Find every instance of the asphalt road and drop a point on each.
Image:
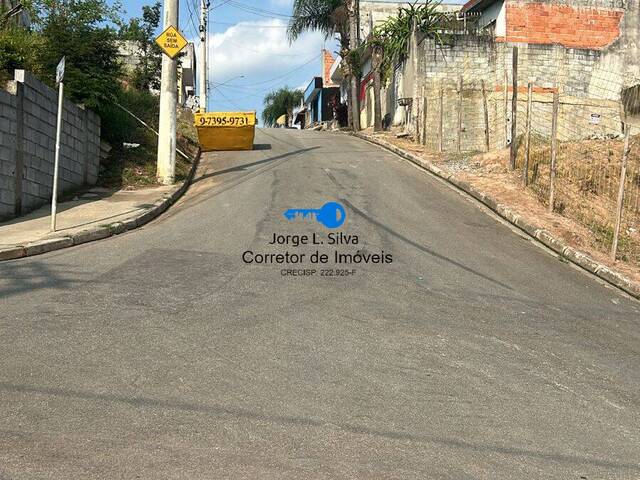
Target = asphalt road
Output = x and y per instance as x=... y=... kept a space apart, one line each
x=160 y=354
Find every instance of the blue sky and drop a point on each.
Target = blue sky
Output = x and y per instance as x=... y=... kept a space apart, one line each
x=252 y=45
x=248 y=39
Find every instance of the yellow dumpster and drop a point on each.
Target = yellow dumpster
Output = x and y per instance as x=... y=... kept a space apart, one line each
x=226 y=130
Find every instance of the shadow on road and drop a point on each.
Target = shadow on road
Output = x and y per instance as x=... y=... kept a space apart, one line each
x=422 y=248
x=146 y=402
x=246 y=166
x=21 y=277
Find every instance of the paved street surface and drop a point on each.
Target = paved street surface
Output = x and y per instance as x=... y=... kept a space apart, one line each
x=160 y=354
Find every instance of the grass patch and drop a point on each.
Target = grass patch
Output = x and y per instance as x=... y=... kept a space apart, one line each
x=135 y=167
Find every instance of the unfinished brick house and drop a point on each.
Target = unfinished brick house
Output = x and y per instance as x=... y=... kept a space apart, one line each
x=586 y=49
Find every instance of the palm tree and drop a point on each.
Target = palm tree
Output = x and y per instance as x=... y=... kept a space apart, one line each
x=326 y=16
x=280 y=102
x=390 y=42
x=330 y=17
x=376 y=66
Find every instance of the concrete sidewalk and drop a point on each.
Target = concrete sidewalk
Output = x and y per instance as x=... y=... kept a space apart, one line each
x=95 y=208
x=94 y=215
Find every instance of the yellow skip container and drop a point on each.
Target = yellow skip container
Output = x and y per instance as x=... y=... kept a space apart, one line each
x=226 y=130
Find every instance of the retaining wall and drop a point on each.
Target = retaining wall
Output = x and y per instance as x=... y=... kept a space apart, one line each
x=27 y=145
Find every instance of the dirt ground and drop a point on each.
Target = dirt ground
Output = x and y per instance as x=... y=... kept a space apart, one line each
x=490 y=174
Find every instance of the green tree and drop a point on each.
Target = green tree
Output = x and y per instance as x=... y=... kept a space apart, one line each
x=330 y=17
x=280 y=102
x=390 y=41
x=82 y=31
x=327 y=16
x=142 y=31
x=18 y=49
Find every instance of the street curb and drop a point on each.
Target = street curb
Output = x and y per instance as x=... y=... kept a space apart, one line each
x=576 y=257
x=104 y=231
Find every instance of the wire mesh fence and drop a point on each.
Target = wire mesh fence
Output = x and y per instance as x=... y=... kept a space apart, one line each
x=570 y=119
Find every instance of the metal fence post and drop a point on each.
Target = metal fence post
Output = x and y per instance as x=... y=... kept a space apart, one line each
x=486 y=117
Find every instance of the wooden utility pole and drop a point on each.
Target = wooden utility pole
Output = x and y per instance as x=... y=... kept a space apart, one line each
x=527 y=145
x=418 y=116
x=514 y=112
x=486 y=116
x=620 y=204
x=506 y=108
x=168 y=104
x=424 y=116
x=441 y=122
x=554 y=149
x=460 y=84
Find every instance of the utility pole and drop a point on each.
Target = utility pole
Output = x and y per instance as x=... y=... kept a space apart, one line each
x=202 y=72
x=168 y=104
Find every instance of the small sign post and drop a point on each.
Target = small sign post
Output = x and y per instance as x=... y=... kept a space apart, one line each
x=54 y=196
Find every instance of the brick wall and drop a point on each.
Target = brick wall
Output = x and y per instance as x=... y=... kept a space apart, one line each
x=568 y=25
x=327 y=63
x=27 y=145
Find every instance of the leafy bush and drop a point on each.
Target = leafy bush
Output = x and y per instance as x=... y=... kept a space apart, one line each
x=119 y=126
x=18 y=50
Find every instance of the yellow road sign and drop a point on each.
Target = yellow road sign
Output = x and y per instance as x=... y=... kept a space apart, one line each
x=171 y=41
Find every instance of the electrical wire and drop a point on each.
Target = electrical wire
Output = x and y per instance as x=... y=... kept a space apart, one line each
x=213 y=7
x=274 y=79
x=257 y=11
x=191 y=21
x=235 y=105
x=252 y=25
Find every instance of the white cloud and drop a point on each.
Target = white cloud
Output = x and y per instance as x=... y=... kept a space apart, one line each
x=260 y=51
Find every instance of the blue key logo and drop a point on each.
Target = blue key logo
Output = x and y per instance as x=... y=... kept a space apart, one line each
x=331 y=215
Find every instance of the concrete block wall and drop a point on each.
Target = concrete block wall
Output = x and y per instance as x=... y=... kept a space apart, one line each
x=29 y=145
x=8 y=130
x=590 y=84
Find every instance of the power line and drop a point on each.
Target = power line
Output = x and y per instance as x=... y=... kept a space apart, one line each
x=193 y=25
x=247 y=25
x=235 y=105
x=295 y=69
x=218 y=6
x=257 y=11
